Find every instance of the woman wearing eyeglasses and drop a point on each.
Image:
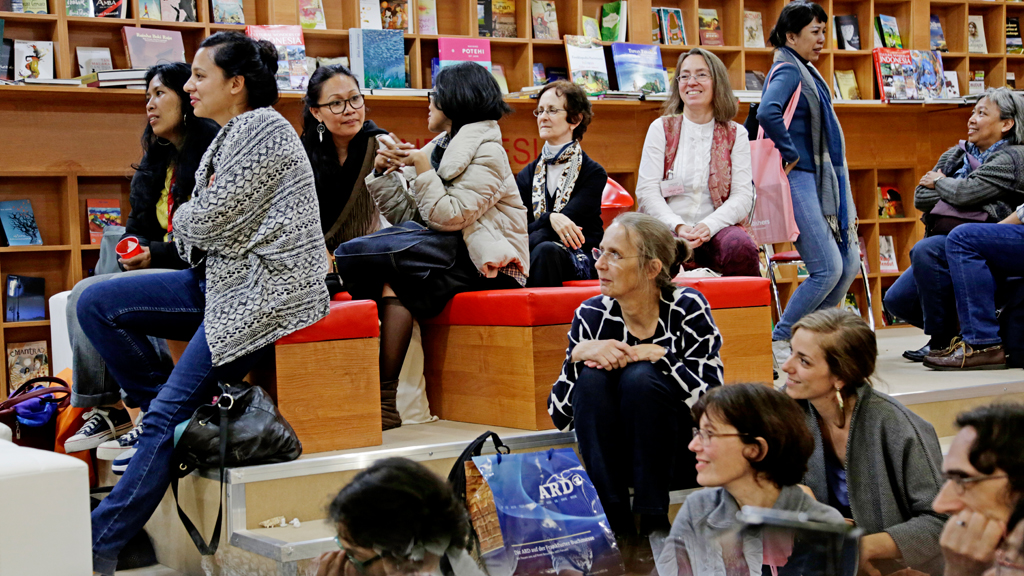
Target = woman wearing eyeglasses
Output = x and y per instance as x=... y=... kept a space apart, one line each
x=874 y=460
x=639 y=354
x=695 y=169
x=562 y=190
x=752 y=447
x=340 y=143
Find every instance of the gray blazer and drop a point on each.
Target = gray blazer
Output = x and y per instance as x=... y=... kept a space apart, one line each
x=694 y=545
x=893 y=464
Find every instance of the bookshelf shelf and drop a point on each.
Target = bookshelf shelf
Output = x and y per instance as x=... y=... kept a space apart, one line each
x=89 y=247
x=19 y=17
x=44 y=248
x=32 y=324
x=117 y=23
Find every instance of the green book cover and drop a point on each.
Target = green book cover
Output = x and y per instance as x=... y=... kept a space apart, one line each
x=613 y=21
x=35 y=6
x=79 y=7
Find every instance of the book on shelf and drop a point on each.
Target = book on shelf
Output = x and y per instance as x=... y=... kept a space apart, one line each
x=1011 y=80
x=753 y=80
x=801 y=270
x=503 y=19
x=484 y=19
x=421 y=92
x=7 y=59
x=656 y=37
x=76 y=7
x=938 y=38
x=311 y=15
x=1013 y=41
x=33 y=59
x=228 y=12
x=540 y=76
x=394 y=15
x=889 y=31
x=53 y=82
x=753 y=30
x=613 y=21
x=890 y=202
x=952 y=84
x=710 y=30
x=25 y=300
x=847 y=32
x=291 y=53
x=19 y=223
x=976 y=87
x=147 y=47
x=850 y=303
x=426 y=16
x=672 y=29
x=587 y=66
x=101 y=212
x=591 y=28
x=887 y=255
x=498 y=71
x=177 y=10
x=34 y=6
x=545 y=19
x=377 y=57
x=104 y=78
x=847 y=82
x=149 y=9
x=25 y=361
x=369 y=15
x=557 y=73
x=638 y=68
x=92 y=59
x=908 y=74
x=864 y=250
x=976 y=34
x=454 y=50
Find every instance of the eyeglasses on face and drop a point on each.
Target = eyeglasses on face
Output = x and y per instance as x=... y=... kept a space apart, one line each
x=361 y=565
x=699 y=76
x=432 y=96
x=611 y=254
x=550 y=111
x=705 y=436
x=961 y=483
x=339 y=106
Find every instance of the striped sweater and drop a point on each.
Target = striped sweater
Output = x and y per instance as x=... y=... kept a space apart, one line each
x=255 y=215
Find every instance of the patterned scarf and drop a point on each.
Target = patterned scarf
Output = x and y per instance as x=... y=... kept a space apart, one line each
x=572 y=154
x=980 y=157
x=440 y=145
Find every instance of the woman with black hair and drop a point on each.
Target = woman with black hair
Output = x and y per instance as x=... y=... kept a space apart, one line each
x=465 y=222
x=251 y=234
x=172 y=144
x=341 y=147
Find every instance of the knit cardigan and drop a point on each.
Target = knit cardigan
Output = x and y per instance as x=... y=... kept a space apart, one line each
x=254 y=214
x=685 y=329
x=996 y=187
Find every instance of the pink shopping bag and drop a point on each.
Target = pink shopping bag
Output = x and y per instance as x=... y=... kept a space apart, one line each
x=773 y=220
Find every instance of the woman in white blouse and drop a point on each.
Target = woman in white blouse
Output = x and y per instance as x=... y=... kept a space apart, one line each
x=695 y=170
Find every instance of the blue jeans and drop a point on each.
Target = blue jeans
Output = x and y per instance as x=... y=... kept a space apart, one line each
x=118 y=317
x=978 y=253
x=935 y=288
x=830 y=272
x=903 y=300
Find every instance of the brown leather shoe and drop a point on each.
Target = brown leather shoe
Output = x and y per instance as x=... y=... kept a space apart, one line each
x=389 y=416
x=964 y=357
x=946 y=350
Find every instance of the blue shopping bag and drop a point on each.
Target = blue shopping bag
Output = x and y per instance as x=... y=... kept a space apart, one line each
x=548 y=513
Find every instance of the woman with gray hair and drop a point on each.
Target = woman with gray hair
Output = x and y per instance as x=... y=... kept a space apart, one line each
x=639 y=355
x=979 y=180
x=695 y=173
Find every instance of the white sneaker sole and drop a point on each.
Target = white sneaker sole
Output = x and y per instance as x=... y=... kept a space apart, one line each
x=106 y=453
x=89 y=442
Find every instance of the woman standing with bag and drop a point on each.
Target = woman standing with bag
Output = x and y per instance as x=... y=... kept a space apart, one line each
x=814 y=156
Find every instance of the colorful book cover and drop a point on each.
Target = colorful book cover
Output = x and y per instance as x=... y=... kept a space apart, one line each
x=454 y=50
x=503 y=19
x=377 y=57
x=656 y=37
x=25 y=361
x=890 y=31
x=33 y=59
x=369 y=15
x=19 y=223
x=672 y=26
x=311 y=15
x=102 y=212
x=710 y=30
x=591 y=29
x=887 y=255
x=484 y=22
x=1013 y=41
x=34 y=6
x=850 y=303
x=890 y=202
x=928 y=73
x=753 y=30
x=638 y=68
x=109 y=8
x=394 y=15
x=938 y=39
x=540 y=76
x=177 y=10
x=545 y=19
x=150 y=9
x=498 y=71
x=952 y=84
x=976 y=34
x=847 y=32
x=291 y=53
x=228 y=12
x=148 y=46
x=426 y=11
x=93 y=60
x=78 y=7
x=908 y=74
x=587 y=66
x=846 y=80
x=613 y=21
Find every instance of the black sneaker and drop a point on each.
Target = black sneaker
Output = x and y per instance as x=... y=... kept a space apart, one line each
x=101 y=424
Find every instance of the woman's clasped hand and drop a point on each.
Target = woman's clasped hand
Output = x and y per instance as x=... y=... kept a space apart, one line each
x=612 y=354
x=394 y=154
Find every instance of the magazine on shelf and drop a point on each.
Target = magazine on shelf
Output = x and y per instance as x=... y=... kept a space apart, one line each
x=976 y=35
x=146 y=47
x=426 y=21
x=887 y=255
x=291 y=53
x=545 y=20
x=587 y=66
x=709 y=27
x=638 y=68
x=228 y=12
x=938 y=39
x=908 y=74
x=847 y=32
x=503 y=19
x=33 y=59
x=889 y=30
x=753 y=30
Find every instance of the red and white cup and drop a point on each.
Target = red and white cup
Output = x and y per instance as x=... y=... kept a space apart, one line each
x=128 y=248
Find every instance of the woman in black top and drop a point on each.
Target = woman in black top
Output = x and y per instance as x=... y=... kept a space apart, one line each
x=562 y=190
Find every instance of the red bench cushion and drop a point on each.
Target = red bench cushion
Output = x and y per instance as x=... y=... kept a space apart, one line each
x=521 y=307
x=725 y=292
x=347 y=320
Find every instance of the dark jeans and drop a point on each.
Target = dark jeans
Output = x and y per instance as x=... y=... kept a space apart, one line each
x=978 y=254
x=731 y=252
x=551 y=264
x=118 y=317
x=903 y=300
x=628 y=424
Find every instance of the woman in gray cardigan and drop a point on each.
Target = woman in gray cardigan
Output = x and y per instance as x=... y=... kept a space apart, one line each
x=752 y=447
x=874 y=460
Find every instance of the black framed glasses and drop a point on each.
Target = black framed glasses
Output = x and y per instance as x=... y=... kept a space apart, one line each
x=961 y=483
x=432 y=96
x=705 y=436
x=361 y=565
x=339 y=106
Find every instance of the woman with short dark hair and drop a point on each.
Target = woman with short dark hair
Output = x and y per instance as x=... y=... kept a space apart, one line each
x=752 y=447
x=874 y=460
x=460 y=183
x=563 y=189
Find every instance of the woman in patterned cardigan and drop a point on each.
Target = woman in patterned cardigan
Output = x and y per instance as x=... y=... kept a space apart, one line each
x=251 y=233
x=639 y=356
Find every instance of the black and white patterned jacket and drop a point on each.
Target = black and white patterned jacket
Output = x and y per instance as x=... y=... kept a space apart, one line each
x=254 y=213
x=685 y=329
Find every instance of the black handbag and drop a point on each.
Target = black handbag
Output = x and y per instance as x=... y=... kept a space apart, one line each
x=241 y=428
x=457 y=475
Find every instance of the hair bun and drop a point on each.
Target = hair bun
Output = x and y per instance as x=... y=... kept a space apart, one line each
x=683 y=254
x=268 y=55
